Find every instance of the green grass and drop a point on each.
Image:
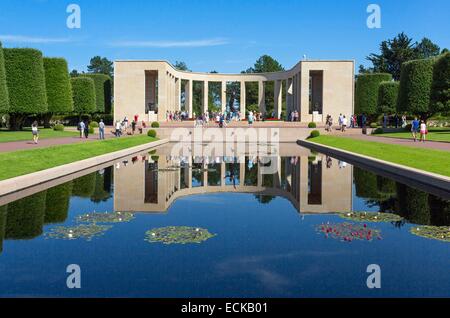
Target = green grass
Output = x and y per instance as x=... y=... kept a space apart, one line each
x=434 y=134
x=430 y=160
x=7 y=135
x=17 y=163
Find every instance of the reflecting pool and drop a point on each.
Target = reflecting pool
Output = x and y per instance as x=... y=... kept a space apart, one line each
x=162 y=225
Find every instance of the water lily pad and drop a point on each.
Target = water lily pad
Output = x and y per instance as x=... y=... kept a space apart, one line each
x=348 y=232
x=82 y=231
x=178 y=235
x=108 y=217
x=441 y=233
x=370 y=216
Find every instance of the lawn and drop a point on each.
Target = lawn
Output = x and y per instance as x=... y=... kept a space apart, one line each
x=7 y=135
x=17 y=163
x=434 y=134
x=431 y=160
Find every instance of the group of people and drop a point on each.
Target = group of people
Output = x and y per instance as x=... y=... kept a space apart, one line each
x=122 y=127
x=394 y=120
x=294 y=116
x=345 y=122
x=419 y=127
x=176 y=115
x=83 y=128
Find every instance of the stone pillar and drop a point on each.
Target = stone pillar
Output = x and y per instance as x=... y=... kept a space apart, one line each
x=278 y=98
x=205 y=96
x=188 y=97
x=288 y=96
x=178 y=94
x=224 y=96
x=294 y=92
x=261 y=97
x=242 y=102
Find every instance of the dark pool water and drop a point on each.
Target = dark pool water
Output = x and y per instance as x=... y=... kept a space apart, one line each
x=267 y=232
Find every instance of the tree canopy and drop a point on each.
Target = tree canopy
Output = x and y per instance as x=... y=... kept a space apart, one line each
x=101 y=65
x=181 y=66
x=440 y=87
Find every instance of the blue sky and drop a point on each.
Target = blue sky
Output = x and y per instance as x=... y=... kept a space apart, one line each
x=223 y=35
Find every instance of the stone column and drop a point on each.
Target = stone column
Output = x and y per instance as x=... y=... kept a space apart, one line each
x=278 y=98
x=178 y=94
x=205 y=96
x=188 y=97
x=224 y=96
x=242 y=102
x=242 y=172
x=288 y=96
x=222 y=173
x=261 y=99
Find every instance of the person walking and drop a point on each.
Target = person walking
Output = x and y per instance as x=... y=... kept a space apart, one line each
x=423 y=131
x=81 y=127
x=35 y=131
x=415 y=128
x=344 y=123
x=86 y=129
x=101 y=129
x=118 y=127
x=133 y=127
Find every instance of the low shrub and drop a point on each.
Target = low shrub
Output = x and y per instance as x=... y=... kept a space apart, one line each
x=155 y=124
x=151 y=133
x=373 y=125
x=58 y=127
x=312 y=125
x=93 y=124
x=314 y=134
x=91 y=130
x=377 y=131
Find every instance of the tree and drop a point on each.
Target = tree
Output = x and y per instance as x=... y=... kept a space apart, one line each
x=366 y=94
x=58 y=88
x=394 y=52
x=387 y=97
x=83 y=89
x=103 y=92
x=74 y=73
x=181 y=66
x=25 y=77
x=415 y=87
x=101 y=65
x=4 y=97
x=440 y=87
x=57 y=203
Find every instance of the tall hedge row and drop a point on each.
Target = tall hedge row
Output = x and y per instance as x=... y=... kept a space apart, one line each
x=415 y=86
x=4 y=97
x=57 y=83
x=387 y=97
x=440 y=88
x=102 y=92
x=26 y=81
x=83 y=90
x=366 y=94
x=57 y=203
x=2 y=225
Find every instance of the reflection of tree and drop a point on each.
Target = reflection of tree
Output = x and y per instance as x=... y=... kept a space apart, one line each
x=2 y=225
x=57 y=203
x=100 y=193
x=197 y=172
x=413 y=204
x=251 y=175
x=84 y=187
x=264 y=199
x=440 y=211
x=26 y=217
x=385 y=186
x=365 y=183
x=214 y=174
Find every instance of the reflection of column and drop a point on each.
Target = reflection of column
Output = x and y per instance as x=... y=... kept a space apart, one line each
x=205 y=96
x=278 y=98
x=242 y=172
x=243 y=106
x=277 y=174
x=205 y=174
x=189 y=179
x=259 y=180
x=224 y=96
x=178 y=94
x=261 y=97
x=189 y=96
x=222 y=173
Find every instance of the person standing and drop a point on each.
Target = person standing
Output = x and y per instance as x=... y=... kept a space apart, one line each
x=35 y=131
x=133 y=127
x=415 y=128
x=81 y=127
x=101 y=129
x=118 y=127
x=86 y=129
x=344 y=123
x=385 y=119
x=423 y=131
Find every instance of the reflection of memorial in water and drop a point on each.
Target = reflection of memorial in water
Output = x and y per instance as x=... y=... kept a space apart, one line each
x=313 y=183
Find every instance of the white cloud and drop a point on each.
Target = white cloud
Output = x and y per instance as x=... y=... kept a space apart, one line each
x=31 y=39
x=172 y=44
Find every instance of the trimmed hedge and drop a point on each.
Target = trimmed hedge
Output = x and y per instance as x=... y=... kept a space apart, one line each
x=83 y=95
x=103 y=92
x=377 y=131
x=373 y=125
x=3 y=213
x=366 y=94
x=387 y=97
x=93 y=124
x=58 y=127
x=151 y=133
x=440 y=87
x=155 y=124
x=57 y=83
x=57 y=203
x=415 y=86
x=312 y=125
x=25 y=77
x=314 y=134
x=4 y=97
